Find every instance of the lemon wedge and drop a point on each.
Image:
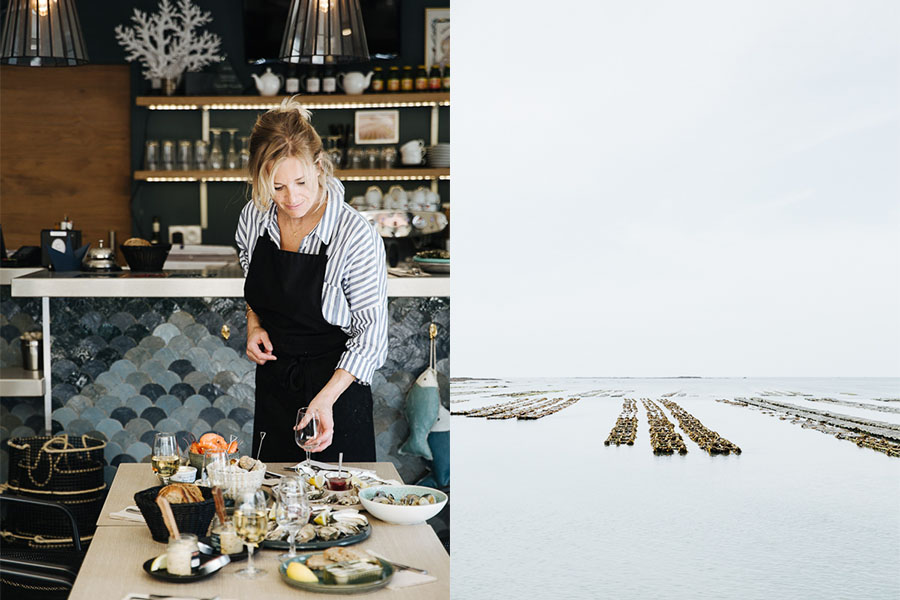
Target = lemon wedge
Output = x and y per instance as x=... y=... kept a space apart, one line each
x=317 y=481
x=159 y=563
x=323 y=517
x=300 y=572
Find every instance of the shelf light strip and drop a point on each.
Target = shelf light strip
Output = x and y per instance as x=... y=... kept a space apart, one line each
x=263 y=106
x=348 y=178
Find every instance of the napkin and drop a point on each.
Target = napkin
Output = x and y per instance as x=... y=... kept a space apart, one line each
x=127 y=515
x=402 y=579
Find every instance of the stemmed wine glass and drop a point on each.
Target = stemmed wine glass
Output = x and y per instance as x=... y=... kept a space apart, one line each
x=165 y=459
x=251 y=523
x=307 y=432
x=291 y=511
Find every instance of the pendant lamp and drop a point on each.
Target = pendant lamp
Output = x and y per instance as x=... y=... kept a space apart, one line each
x=42 y=33
x=324 y=32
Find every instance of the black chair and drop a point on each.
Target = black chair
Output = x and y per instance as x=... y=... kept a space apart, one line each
x=27 y=572
x=17 y=582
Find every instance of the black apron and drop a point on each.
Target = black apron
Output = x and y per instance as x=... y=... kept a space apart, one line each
x=284 y=289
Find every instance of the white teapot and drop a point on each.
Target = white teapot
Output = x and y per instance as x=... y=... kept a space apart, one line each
x=354 y=82
x=413 y=152
x=269 y=83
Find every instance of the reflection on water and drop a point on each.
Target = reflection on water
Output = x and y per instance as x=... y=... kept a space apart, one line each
x=544 y=509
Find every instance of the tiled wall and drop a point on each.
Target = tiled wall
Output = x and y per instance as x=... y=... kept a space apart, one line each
x=124 y=369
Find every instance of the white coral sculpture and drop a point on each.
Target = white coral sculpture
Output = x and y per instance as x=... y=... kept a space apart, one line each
x=165 y=42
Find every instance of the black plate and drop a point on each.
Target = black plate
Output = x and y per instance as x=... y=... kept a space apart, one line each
x=238 y=557
x=196 y=575
x=320 y=545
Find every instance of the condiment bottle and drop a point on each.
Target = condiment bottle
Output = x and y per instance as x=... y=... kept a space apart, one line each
x=329 y=82
x=446 y=78
x=378 y=80
x=406 y=81
x=434 y=78
x=421 y=79
x=393 y=81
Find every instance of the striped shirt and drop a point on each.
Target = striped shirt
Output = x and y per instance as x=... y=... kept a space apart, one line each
x=354 y=295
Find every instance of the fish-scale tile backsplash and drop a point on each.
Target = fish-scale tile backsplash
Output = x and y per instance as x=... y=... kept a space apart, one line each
x=125 y=369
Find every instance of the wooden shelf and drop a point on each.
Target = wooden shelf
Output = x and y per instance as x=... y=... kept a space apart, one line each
x=424 y=173
x=16 y=381
x=410 y=99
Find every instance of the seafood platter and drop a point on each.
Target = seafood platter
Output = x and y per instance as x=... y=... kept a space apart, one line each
x=402 y=504
x=326 y=528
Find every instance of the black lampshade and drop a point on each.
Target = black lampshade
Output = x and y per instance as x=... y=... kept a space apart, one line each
x=42 y=33
x=324 y=32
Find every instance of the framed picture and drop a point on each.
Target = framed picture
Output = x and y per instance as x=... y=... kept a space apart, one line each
x=377 y=126
x=437 y=37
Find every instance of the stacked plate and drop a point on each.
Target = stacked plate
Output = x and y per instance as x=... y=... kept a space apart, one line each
x=438 y=155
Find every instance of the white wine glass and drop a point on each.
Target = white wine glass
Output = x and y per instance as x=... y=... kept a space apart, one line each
x=307 y=432
x=251 y=522
x=165 y=459
x=291 y=511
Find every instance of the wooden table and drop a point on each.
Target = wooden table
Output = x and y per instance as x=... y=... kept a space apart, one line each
x=112 y=566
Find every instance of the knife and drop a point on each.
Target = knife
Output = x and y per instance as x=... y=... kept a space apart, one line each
x=214 y=565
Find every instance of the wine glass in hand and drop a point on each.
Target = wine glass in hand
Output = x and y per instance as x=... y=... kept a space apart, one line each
x=304 y=434
x=251 y=520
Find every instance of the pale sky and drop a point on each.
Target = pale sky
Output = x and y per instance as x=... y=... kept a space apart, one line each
x=691 y=188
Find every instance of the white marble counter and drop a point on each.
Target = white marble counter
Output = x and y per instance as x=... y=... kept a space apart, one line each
x=208 y=283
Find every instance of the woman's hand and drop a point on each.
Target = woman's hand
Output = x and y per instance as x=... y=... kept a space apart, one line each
x=321 y=406
x=256 y=337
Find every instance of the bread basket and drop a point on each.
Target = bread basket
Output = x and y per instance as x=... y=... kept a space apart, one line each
x=192 y=517
x=235 y=481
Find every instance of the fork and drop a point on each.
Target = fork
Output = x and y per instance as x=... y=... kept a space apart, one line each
x=398 y=565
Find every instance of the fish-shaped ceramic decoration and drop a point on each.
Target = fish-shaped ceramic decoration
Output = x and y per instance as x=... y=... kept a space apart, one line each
x=422 y=404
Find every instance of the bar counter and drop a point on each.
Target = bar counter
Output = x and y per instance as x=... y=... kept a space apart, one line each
x=223 y=282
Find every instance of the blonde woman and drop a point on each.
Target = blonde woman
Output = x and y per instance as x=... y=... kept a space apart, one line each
x=316 y=292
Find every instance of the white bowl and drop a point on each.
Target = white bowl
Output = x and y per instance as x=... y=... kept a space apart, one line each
x=402 y=515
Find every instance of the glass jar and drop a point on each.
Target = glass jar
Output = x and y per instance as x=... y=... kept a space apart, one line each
x=393 y=80
x=378 y=81
x=421 y=79
x=184 y=154
x=406 y=80
x=179 y=553
x=151 y=155
x=224 y=537
x=168 y=155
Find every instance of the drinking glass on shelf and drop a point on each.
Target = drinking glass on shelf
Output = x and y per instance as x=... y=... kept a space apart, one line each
x=165 y=459
x=184 y=155
x=355 y=158
x=245 y=151
x=388 y=157
x=291 y=510
x=168 y=155
x=216 y=158
x=232 y=160
x=373 y=158
x=201 y=154
x=308 y=432
x=251 y=523
x=151 y=155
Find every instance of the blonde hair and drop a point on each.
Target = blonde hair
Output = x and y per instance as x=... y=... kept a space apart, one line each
x=281 y=133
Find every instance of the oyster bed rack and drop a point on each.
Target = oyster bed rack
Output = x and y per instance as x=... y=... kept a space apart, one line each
x=526 y=409
x=663 y=437
x=707 y=439
x=625 y=429
x=862 y=432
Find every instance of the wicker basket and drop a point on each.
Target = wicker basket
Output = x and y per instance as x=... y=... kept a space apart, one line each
x=62 y=469
x=192 y=517
x=235 y=483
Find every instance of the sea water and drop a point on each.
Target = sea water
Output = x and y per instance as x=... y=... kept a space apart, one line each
x=542 y=509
